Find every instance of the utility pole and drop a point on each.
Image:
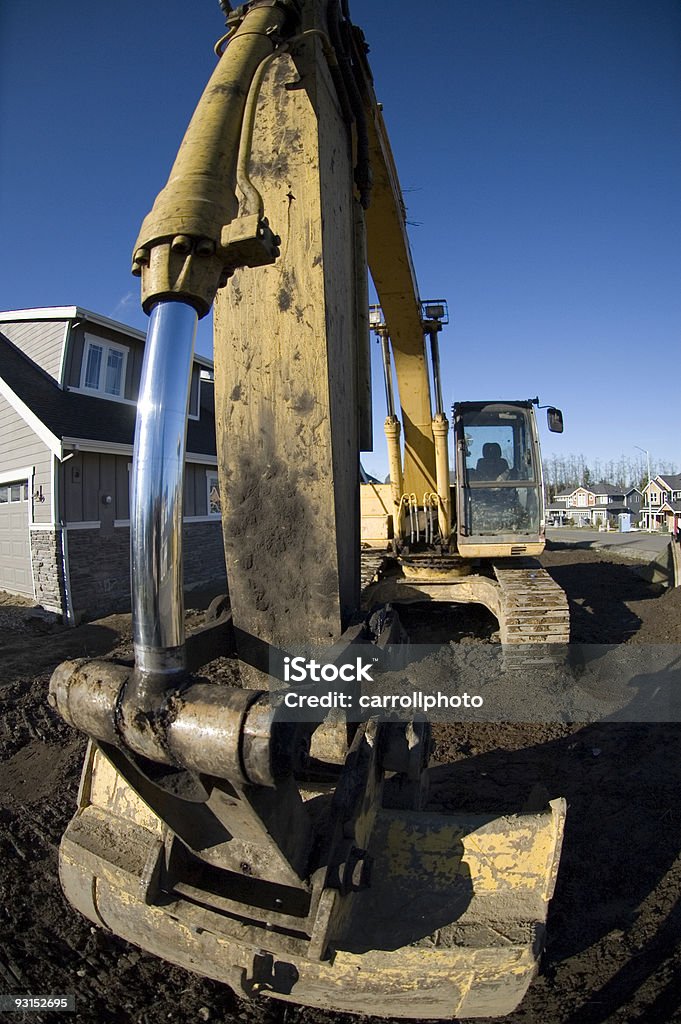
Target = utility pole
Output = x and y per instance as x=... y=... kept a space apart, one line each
x=647 y=455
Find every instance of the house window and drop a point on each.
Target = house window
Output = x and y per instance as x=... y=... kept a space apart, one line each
x=213 y=488
x=104 y=367
x=13 y=493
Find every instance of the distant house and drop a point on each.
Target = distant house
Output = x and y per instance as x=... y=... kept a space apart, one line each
x=594 y=505
x=633 y=499
x=69 y=381
x=661 y=509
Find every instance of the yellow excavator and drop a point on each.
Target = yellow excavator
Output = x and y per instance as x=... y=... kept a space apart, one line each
x=288 y=858
x=471 y=542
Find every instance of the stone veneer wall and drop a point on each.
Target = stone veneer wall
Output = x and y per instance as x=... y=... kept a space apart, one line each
x=204 y=555
x=99 y=565
x=48 y=578
x=99 y=569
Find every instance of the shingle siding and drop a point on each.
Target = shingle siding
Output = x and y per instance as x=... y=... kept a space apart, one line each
x=42 y=341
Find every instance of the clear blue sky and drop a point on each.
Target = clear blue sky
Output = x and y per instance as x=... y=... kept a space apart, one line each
x=539 y=147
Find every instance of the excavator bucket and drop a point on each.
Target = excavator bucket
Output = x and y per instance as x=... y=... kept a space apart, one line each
x=449 y=924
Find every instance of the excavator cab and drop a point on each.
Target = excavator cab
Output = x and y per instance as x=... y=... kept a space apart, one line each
x=498 y=479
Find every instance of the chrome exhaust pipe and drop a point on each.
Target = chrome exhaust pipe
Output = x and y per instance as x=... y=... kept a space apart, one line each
x=156 y=497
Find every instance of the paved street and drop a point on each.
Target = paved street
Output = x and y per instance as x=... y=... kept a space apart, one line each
x=641 y=546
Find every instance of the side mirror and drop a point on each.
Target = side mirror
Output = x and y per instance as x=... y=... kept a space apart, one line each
x=555 y=420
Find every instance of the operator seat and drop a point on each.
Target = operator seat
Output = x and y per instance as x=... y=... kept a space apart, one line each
x=491 y=466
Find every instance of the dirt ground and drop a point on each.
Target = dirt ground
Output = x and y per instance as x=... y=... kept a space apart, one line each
x=614 y=946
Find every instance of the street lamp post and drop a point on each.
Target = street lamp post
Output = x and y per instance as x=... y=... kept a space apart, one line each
x=647 y=455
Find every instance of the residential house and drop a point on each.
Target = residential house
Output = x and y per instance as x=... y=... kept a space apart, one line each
x=633 y=499
x=593 y=505
x=69 y=381
x=661 y=509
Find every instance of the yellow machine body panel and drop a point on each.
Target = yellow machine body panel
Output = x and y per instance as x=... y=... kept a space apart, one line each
x=473 y=550
x=376 y=514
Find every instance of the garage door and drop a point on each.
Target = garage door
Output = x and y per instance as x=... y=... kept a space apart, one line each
x=15 y=551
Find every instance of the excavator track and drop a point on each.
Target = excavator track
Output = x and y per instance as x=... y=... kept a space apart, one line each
x=534 y=611
x=371 y=565
x=531 y=608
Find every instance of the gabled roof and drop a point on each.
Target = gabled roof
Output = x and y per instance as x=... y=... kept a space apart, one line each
x=68 y=313
x=603 y=488
x=12 y=316
x=600 y=488
x=672 y=480
x=69 y=415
